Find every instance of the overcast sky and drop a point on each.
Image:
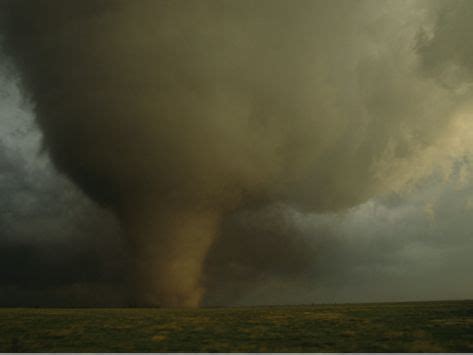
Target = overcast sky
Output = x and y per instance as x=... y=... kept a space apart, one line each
x=406 y=236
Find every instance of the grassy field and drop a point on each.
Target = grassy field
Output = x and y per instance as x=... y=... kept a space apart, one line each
x=388 y=327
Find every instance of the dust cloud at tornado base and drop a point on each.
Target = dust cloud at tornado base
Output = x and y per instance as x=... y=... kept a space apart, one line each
x=200 y=124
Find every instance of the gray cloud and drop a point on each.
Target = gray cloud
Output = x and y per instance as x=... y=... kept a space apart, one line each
x=52 y=237
x=414 y=246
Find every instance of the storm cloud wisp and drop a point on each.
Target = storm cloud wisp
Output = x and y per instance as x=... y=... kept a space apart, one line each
x=182 y=116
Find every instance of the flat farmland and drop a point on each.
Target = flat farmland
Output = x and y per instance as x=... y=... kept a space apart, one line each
x=384 y=327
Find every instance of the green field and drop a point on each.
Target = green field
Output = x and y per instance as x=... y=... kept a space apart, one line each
x=384 y=327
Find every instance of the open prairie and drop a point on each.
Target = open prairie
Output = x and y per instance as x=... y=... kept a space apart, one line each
x=384 y=327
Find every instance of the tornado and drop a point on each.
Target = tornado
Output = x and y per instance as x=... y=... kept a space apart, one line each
x=177 y=115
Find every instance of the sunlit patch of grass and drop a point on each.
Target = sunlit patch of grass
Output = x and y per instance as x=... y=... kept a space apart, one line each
x=348 y=333
x=425 y=346
x=454 y=321
x=329 y=316
x=159 y=337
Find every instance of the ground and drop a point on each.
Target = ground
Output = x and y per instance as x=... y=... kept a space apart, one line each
x=384 y=327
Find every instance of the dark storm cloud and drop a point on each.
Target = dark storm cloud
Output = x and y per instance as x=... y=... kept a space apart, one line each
x=194 y=121
x=256 y=246
x=51 y=237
